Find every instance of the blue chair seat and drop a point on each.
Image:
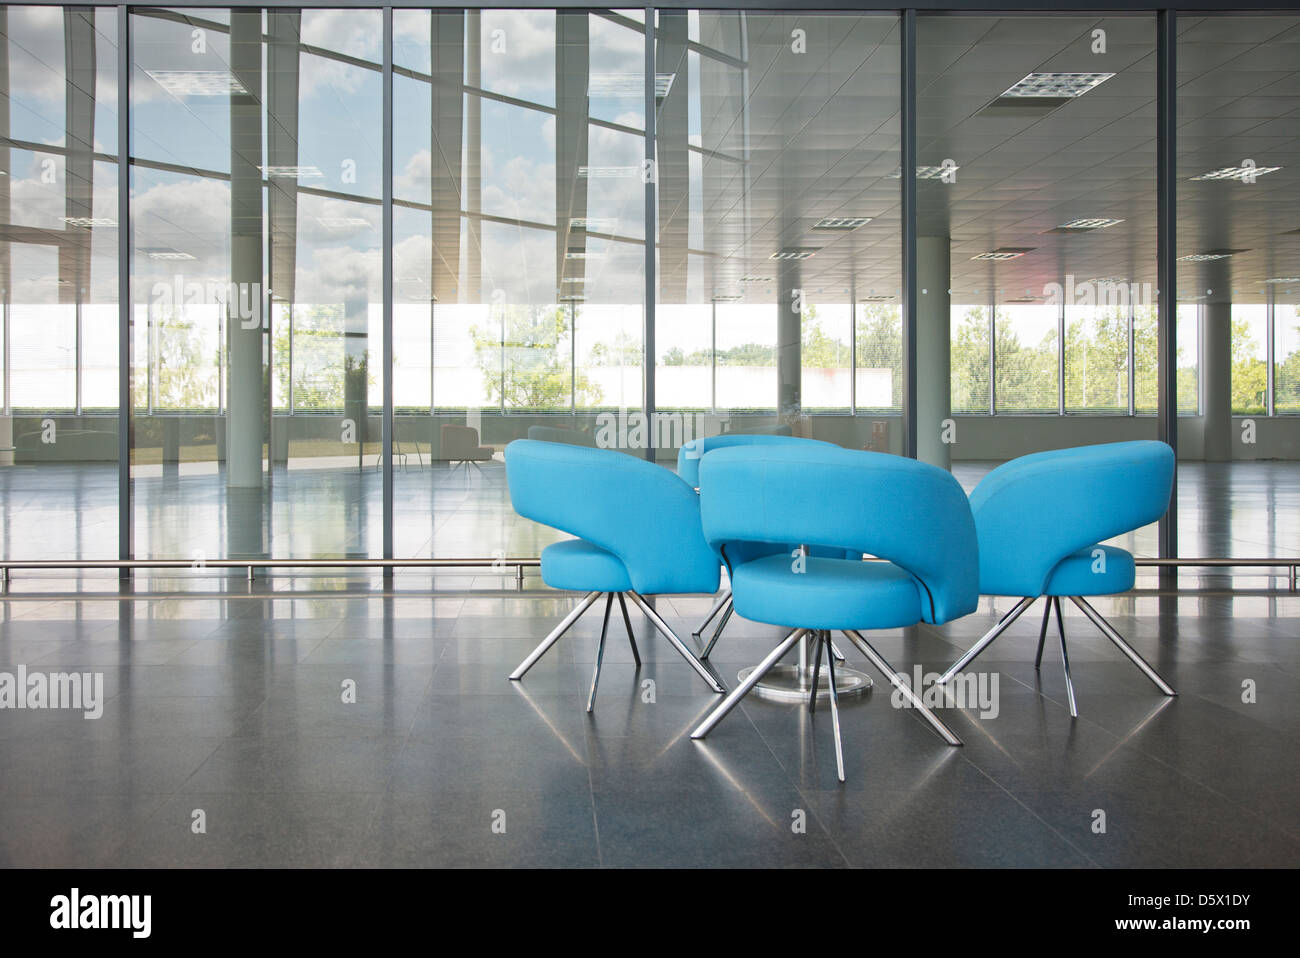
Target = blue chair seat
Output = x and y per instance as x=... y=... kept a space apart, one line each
x=578 y=566
x=828 y=594
x=1080 y=573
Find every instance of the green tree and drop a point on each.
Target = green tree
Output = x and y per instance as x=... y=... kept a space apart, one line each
x=523 y=355
x=879 y=333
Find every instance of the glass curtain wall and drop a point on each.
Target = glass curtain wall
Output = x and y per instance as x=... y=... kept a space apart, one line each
x=257 y=374
x=58 y=282
x=778 y=197
x=1238 y=249
x=521 y=185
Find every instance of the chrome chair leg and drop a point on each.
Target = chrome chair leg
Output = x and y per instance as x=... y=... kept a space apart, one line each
x=816 y=675
x=600 y=652
x=740 y=691
x=900 y=682
x=989 y=636
x=554 y=637
x=717 y=633
x=835 y=704
x=1042 y=634
x=835 y=650
x=677 y=644
x=631 y=640
x=1109 y=631
x=1065 y=657
x=717 y=606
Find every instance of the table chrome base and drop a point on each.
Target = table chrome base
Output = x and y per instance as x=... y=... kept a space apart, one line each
x=791 y=683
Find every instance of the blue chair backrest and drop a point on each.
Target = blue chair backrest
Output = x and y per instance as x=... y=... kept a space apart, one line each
x=688 y=457
x=640 y=512
x=1032 y=512
x=913 y=514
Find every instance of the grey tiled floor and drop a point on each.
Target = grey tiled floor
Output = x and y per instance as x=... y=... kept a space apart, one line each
x=229 y=700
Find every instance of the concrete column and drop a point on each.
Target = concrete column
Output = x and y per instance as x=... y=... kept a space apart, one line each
x=933 y=335
x=246 y=393
x=789 y=343
x=1216 y=358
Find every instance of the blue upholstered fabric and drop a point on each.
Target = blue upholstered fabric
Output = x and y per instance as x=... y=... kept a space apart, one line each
x=1087 y=573
x=827 y=594
x=1034 y=512
x=688 y=457
x=639 y=513
x=912 y=514
x=578 y=566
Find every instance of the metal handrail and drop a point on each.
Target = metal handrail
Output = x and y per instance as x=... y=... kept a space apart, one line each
x=518 y=563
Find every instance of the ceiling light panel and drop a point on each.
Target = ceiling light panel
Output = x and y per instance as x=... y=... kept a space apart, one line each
x=1056 y=85
x=1241 y=173
x=841 y=224
x=198 y=82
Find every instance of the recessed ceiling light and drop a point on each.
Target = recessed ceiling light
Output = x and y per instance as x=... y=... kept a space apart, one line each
x=1084 y=225
x=627 y=85
x=575 y=252
x=842 y=224
x=727 y=297
x=1284 y=279
x=1006 y=252
x=1237 y=172
x=292 y=172
x=1056 y=85
x=169 y=254
x=794 y=252
x=1209 y=255
x=198 y=82
x=574 y=279
x=876 y=299
x=573 y=298
x=756 y=279
x=607 y=172
x=1113 y=280
x=926 y=172
x=86 y=222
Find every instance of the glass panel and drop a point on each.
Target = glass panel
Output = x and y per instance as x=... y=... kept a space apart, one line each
x=1025 y=359
x=58 y=283
x=778 y=222
x=1286 y=352
x=969 y=351
x=257 y=374
x=1097 y=359
x=518 y=258
x=1249 y=358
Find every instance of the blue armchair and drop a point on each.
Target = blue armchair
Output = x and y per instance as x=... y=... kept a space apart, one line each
x=896 y=509
x=638 y=529
x=688 y=467
x=1040 y=521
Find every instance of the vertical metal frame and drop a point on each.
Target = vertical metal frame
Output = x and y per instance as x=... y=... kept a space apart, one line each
x=1166 y=265
x=993 y=353
x=907 y=110
x=125 y=505
x=387 y=260
x=1269 y=347
x=651 y=236
x=1060 y=361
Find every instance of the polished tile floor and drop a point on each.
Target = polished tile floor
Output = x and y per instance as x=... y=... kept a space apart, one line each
x=233 y=704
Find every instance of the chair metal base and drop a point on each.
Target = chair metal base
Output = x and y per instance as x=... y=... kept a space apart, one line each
x=655 y=619
x=1054 y=605
x=822 y=638
x=726 y=604
x=795 y=682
